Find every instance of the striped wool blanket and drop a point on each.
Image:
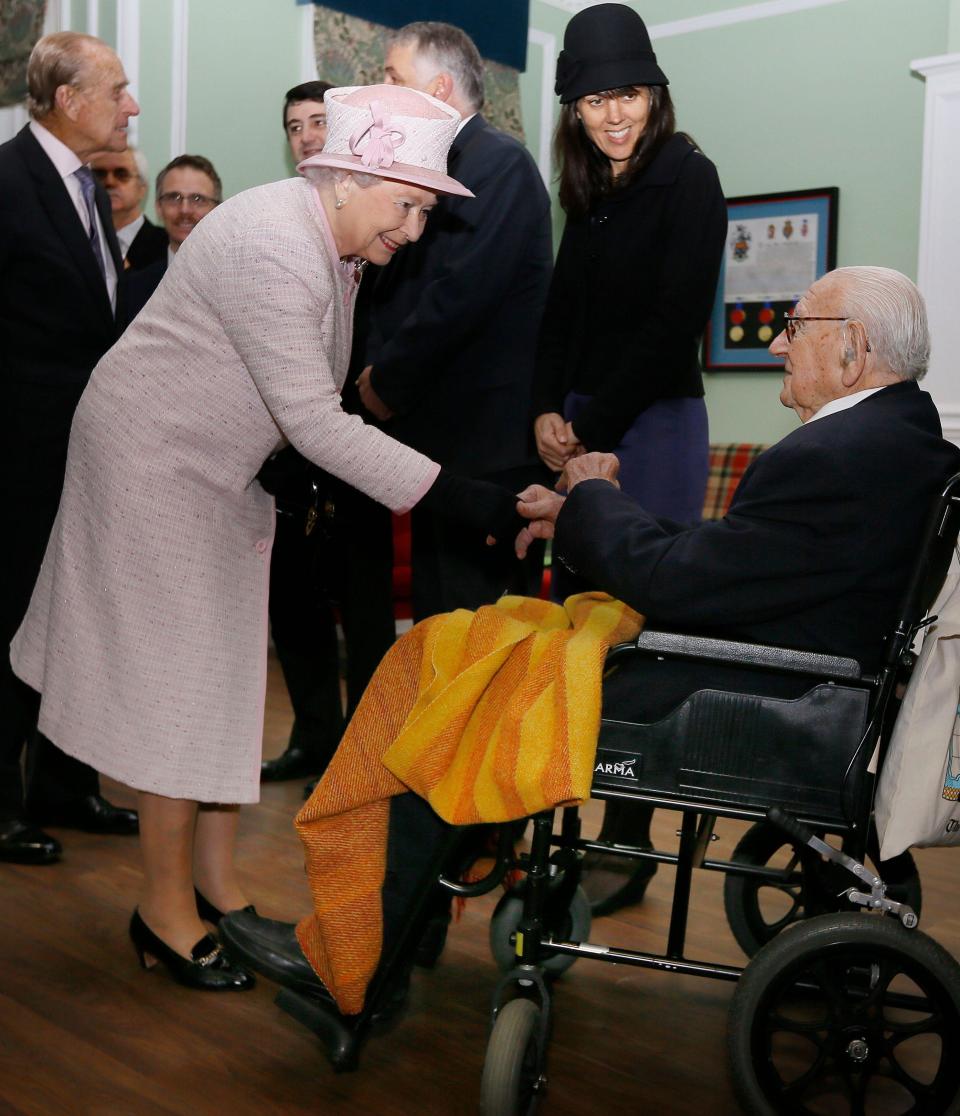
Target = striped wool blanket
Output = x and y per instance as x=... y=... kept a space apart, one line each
x=489 y=715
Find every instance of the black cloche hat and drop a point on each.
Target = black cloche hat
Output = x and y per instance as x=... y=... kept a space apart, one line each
x=605 y=47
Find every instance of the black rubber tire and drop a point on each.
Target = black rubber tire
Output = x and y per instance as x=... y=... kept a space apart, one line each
x=511 y=1067
x=506 y=918
x=812 y=1020
x=745 y=899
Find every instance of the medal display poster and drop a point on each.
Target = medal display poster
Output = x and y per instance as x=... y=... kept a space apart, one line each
x=777 y=245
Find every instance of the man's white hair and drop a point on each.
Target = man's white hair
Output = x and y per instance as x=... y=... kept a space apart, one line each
x=444 y=47
x=894 y=316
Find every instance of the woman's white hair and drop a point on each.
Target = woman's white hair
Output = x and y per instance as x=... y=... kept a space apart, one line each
x=333 y=175
x=894 y=316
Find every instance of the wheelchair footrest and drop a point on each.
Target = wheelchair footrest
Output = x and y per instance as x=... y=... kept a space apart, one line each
x=341 y=1040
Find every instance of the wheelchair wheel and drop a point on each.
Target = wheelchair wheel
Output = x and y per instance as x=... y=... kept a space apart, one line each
x=847 y=1013
x=573 y=926
x=757 y=910
x=512 y=1079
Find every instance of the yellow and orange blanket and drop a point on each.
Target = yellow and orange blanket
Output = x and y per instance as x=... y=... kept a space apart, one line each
x=489 y=715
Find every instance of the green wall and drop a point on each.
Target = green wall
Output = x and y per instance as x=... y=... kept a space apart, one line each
x=244 y=55
x=818 y=97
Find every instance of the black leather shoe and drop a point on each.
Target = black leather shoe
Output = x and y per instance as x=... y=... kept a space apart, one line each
x=209 y=913
x=23 y=843
x=92 y=814
x=294 y=763
x=309 y=788
x=613 y=882
x=270 y=947
x=432 y=941
x=207 y=967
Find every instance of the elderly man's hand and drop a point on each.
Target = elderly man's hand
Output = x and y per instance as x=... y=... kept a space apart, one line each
x=369 y=398
x=589 y=466
x=541 y=507
x=556 y=442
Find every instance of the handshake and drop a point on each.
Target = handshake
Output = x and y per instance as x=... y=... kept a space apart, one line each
x=541 y=507
x=491 y=511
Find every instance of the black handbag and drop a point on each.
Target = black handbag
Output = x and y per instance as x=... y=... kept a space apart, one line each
x=302 y=490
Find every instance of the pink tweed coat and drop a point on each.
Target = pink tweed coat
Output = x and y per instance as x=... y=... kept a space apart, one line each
x=147 y=631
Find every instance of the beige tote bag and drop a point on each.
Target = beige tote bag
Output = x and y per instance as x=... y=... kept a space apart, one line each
x=918 y=792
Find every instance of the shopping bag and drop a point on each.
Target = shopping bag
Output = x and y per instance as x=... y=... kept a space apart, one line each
x=918 y=792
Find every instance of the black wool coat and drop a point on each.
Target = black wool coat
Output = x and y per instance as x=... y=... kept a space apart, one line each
x=632 y=291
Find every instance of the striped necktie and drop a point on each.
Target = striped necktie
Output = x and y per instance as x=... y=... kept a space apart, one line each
x=85 y=177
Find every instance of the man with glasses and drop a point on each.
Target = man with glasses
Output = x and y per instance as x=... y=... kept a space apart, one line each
x=123 y=174
x=822 y=531
x=188 y=187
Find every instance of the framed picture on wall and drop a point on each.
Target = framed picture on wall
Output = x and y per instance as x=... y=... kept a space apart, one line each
x=777 y=245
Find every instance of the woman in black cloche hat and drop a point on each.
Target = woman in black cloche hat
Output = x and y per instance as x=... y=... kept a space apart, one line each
x=618 y=364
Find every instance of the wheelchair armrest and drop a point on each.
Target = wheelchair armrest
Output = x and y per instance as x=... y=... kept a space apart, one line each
x=783 y=659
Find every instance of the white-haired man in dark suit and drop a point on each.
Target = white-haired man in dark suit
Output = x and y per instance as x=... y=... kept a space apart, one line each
x=59 y=270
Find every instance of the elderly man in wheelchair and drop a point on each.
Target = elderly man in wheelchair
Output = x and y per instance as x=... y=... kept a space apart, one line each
x=764 y=677
x=823 y=530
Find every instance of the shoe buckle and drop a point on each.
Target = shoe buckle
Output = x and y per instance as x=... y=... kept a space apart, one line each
x=205 y=962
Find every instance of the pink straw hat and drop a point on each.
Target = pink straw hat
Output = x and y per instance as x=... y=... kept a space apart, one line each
x=390 y=131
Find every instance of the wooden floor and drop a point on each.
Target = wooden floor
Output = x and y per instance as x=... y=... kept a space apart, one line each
x=84 y=1031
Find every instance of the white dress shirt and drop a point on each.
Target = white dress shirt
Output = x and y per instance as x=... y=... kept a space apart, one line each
x=66 y=162
x=126 y=235
x=844 y=402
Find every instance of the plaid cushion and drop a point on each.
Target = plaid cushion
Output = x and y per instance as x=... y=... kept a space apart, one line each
x=728 y=462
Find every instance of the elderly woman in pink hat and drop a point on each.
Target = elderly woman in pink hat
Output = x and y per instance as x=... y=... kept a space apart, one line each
x=147 y=632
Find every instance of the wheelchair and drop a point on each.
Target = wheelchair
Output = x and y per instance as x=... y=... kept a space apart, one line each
x=843 y=997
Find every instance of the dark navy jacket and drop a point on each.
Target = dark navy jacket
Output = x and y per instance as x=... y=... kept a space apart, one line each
x=815 y=550
x=455 y=316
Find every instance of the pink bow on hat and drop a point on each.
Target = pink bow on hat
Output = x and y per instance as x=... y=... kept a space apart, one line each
x=383 y=139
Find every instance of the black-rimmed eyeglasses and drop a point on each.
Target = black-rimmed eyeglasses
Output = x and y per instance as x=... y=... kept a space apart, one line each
x=792 y=323
x=198 y=201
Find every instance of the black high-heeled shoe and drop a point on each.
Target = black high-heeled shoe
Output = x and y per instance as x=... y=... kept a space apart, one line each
x=207 y=967
x=209 y=913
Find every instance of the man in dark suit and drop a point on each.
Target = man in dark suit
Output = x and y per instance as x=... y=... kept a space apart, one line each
x=823 y=527
x=123 y=174
x=819 y=539
x=59 y=266
x=347 y=560
x=453 y=333
x=454 y=324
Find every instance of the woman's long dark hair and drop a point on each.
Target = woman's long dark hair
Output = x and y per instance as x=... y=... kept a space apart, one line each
x=585 y=175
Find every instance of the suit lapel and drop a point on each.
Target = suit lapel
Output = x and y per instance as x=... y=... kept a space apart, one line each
x=102 y=201
x=65 y=221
